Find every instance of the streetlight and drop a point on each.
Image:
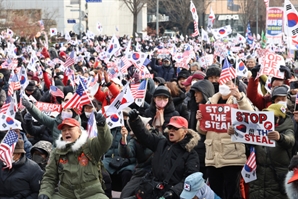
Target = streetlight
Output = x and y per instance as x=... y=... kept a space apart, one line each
x=157 y=13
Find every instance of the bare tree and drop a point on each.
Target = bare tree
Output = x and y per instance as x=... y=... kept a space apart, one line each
x=247 y=7
x=135 y=6
x=179 y=13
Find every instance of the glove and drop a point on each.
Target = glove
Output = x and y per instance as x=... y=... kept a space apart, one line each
x=26 y=103
x=28 y=117
x=100 y=119
x=133 y=114
x=42 y=196
x=168 y=195
x=255 y=71
x=286 y=70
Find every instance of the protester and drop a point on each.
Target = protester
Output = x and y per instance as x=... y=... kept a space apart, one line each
x=178 y=97
x=23 y=179
x=40 y=153
x=174 y=158
x=224 y=167
x=161 y=108
x=272 y=162
x=75 y=156
x=143 y=155
x=200 y=92
x=48 y=121
x=290 y=183
x=196 y=188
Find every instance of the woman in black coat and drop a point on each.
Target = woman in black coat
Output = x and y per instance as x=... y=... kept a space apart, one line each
x=161 y=108
x=175 y=150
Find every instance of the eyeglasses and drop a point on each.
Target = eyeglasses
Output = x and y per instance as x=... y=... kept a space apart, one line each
x=173 y=128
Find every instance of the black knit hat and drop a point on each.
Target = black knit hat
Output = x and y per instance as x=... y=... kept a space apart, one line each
x=183 y=74
x=161 y=90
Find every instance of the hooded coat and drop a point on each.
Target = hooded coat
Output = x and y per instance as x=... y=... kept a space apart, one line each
x=272 y=164
x=75 y=167
x=22 y=181
x=207 y=90
x=165 y=154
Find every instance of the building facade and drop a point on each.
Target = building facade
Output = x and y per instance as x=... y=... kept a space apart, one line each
x=113 y=15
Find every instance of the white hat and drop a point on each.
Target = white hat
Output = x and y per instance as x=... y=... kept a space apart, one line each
x=117 y=81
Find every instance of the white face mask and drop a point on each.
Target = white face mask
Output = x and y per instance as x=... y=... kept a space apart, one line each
x=224 y=90
x=87 y=114
x=65 y=114
x=283 y=103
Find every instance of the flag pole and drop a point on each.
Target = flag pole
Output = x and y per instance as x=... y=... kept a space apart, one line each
x=142 y=105
x=85 y=90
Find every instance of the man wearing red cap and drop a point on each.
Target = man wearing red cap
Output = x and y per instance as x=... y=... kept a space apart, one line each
x=74 y=162
x=173 y=153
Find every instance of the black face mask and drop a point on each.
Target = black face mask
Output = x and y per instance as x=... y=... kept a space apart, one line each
x=216 y=86
x=42 y=162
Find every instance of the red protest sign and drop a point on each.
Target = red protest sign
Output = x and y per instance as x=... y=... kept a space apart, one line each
x=48 y=108
x=216 y=117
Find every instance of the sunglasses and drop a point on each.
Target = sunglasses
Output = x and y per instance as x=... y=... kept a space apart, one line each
x=173 y=128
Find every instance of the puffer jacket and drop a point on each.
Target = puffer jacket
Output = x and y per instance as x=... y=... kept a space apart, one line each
x=22 y=181
x=272 y=164
x=113 y=151
x=166 y=153
x=179 y=106
x=75 y=167
x=220 y=150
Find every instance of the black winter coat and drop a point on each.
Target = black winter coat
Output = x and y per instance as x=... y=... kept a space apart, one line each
x=22 y=181
x=166 y=153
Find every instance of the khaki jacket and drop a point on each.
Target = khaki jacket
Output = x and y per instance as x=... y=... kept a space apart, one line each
x=75 y=167
x=220 y=150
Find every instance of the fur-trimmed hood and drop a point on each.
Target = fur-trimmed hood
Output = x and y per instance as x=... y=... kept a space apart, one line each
x=60 y=144
x=292 y=188
x=190 y=141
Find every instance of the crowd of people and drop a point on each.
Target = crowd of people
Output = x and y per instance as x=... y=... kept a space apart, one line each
x=160 y=151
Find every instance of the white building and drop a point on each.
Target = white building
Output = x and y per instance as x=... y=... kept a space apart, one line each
x=112 y=14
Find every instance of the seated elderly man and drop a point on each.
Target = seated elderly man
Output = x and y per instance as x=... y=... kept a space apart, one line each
x=74 y=162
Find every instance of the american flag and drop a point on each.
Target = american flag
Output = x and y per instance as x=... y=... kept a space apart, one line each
x=139 y=90
x=41 y=24
x=80 y=97
x=296 y=99
x=6 y=105
x=228 y=72
x=248 y=171
x=91 y=126
x=14 y=83
x=251 y=161
x=56 y=92
x=70 y=60
x=7 y=147
x=124 y=64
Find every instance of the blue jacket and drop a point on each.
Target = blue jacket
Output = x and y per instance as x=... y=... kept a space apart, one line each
x=168 y=73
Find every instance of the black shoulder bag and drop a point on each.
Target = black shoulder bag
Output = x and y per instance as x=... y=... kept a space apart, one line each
x=151 y=189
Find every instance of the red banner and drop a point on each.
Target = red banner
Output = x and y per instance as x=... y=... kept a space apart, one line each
x=216 y=117
x=48 y=108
